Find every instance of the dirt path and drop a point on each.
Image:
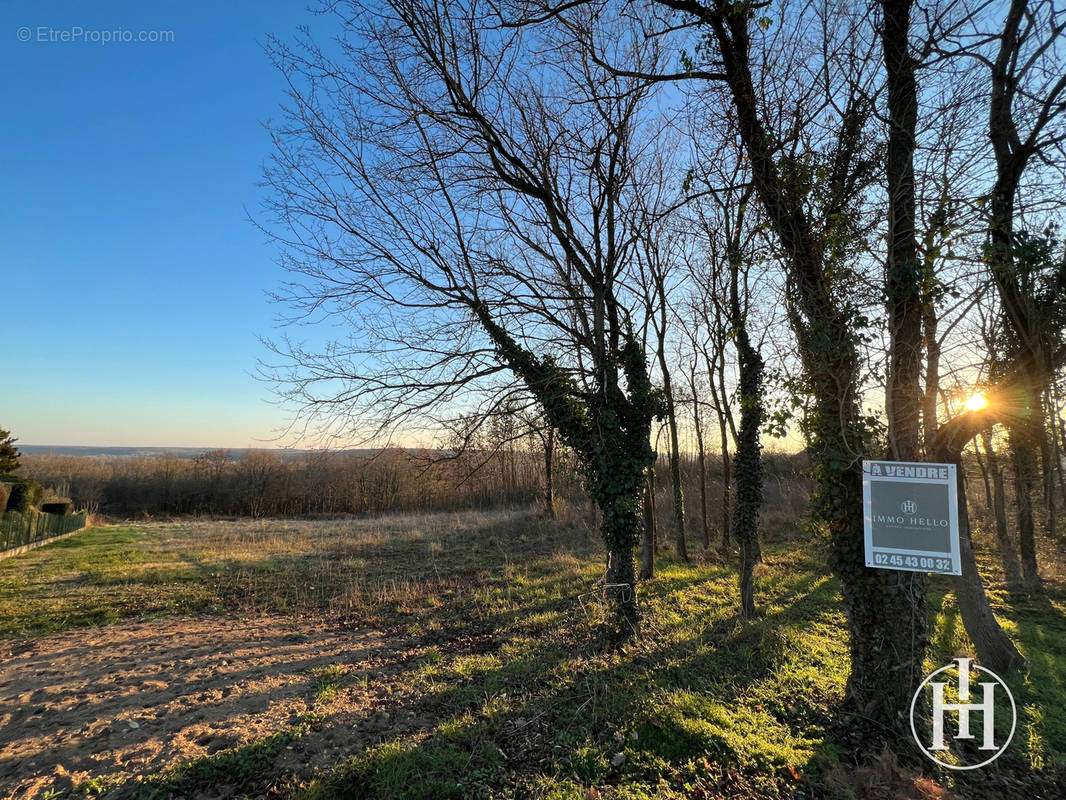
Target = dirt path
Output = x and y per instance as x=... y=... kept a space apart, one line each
x=131 y=699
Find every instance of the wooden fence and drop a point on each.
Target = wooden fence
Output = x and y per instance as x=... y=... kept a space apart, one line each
x=23 y=531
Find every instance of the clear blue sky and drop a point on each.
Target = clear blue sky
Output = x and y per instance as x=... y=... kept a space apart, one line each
x=132 y=286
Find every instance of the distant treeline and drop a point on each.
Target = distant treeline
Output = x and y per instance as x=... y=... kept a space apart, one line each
x=263 y=483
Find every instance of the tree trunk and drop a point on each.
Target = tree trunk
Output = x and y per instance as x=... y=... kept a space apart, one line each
x=614 y=442
x=617 y=487
x=1058 y=437
x=675 y=475
x=622 y=598
x=1023 y=461
x=726 y=484
x=748 y=472
x=984 y=475
x=549 y=478
x=748 y=459
x=701 y=460
x=932 y=368
x=1048 y=460
x=721 y=410
x=675 y=450
x=903 y=278
x=994 y=648
x=647 y=555
x=1030 y=370
x=1007 y=551
x=1052 y=528
x=898 y=629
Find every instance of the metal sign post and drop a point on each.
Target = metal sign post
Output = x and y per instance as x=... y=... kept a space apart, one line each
x=911 y=515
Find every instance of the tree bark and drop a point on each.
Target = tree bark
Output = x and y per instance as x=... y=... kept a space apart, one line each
x=613 y=439
x=994 y=648
x=903 y=281
x=932 y=370
x=1022 y=320
x=658 y=278
x=647 y=555
x=727 y=482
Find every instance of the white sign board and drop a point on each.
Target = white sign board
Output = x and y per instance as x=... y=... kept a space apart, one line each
x=911 y=514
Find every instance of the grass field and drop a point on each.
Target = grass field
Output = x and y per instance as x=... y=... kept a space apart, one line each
x=453 y=655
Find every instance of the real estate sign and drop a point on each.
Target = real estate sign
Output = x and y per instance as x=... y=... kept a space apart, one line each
x=911 y=515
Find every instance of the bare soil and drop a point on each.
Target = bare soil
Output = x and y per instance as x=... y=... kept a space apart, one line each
x=130 y=700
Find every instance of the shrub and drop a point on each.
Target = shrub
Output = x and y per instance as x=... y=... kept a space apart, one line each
x=4 y=492
x=21 y=498
x=25 y=493
x=61 y=507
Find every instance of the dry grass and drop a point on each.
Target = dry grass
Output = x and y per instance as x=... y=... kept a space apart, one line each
x=365 y=570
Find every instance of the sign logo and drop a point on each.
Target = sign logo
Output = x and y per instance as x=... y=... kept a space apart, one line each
x=908 y=507
x=964 y=708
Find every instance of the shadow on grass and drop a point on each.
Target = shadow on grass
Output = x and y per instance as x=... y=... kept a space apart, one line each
x=509 y=698
x=542 y=710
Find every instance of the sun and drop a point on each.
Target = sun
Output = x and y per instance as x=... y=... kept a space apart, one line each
x=976 y=402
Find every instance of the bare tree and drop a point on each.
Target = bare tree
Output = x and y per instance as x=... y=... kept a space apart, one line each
x=816 y=225
x=731 y=226
x=1027 y=109
x=461 y=196
x=656 y=256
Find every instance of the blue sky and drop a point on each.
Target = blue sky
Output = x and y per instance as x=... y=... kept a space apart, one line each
x=133 y=288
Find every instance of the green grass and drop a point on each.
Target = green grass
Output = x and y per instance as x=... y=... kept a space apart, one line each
x=699 y=697
x=511 y=696
x=1038 y=627
x=326 y=683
